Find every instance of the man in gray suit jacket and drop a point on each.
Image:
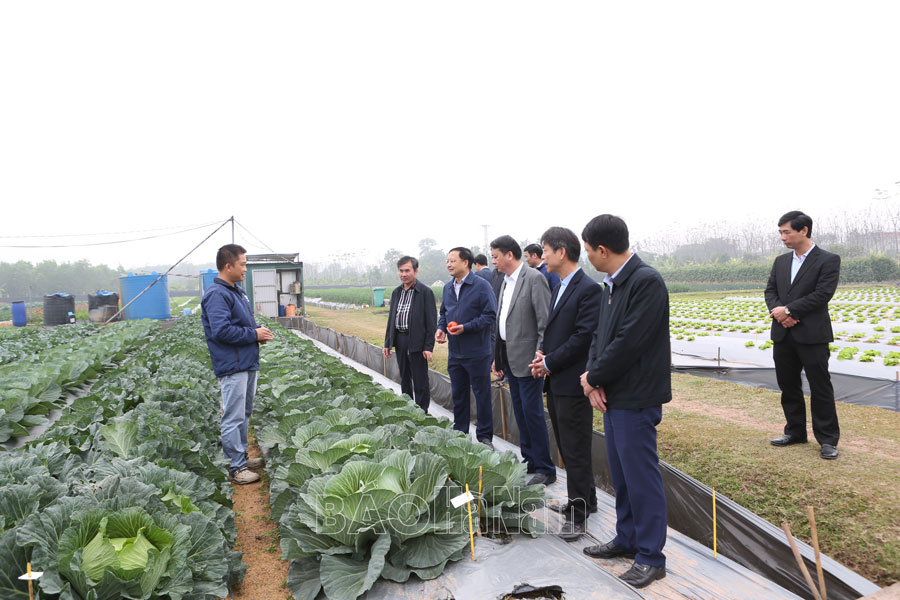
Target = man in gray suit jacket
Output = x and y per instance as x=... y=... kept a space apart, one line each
x=522 y=316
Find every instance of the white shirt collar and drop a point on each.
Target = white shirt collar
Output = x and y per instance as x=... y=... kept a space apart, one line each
x=515 y=274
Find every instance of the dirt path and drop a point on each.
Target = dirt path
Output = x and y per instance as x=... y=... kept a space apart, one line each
x=258 y=539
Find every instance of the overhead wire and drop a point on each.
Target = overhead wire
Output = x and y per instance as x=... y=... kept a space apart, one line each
x=254 y=237
x=62 y=235
x=128 y=241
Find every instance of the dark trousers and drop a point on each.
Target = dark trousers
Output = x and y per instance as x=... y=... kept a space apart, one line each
x=572 y=421
x=790 y=357
x=634 y=470
x=413 y=371
x=528 y=408
x=474 y=374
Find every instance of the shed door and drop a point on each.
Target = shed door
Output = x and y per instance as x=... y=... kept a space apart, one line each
x=265 y=292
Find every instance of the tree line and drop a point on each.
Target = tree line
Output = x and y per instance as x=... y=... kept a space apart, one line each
x=23 y=279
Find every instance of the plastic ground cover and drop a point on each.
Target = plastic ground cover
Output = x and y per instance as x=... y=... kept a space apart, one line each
x=692 y=571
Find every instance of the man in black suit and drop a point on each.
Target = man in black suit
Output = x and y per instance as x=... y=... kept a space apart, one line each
x=410 y=330
x=561 y=359
x=800 y=285
x=628 y=378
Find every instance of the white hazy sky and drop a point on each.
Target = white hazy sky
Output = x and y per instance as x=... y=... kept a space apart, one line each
x=335 y=128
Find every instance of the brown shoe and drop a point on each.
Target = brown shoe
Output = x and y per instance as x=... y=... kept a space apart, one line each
x=243 y=476
x=256 y=463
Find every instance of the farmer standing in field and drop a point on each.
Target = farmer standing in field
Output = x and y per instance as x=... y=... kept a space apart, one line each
x=233 y=339
x=628 y=379
x=800 y=285
x=468 y=313
x=411 y=325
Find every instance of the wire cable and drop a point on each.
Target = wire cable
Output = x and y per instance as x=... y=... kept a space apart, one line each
x=128 y=241
x=62 y=235
x=256 y=238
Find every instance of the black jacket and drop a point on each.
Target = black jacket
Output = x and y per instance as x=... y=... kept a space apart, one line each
x=568 y=334
x=807 y=298
x=630 y=355
x=422 y=319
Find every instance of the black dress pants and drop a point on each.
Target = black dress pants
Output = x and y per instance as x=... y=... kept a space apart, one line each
x=572 y=421
x=790 y=358
x=413 y=371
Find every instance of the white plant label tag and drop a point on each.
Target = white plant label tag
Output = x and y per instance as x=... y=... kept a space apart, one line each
x=461 y=499
x=34 y=575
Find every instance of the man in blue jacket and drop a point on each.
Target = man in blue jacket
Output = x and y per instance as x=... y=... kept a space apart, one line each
x=468 y=301
x=233 y=339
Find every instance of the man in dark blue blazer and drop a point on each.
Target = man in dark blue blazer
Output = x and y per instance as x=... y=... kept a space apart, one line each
x=800 y=285
x=574 y=311
x=628 y=378
x=468 y=301
x=481 y=268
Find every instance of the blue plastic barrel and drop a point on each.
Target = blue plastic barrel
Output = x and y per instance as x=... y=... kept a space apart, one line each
x=154 y=304
x=206 y=279
x=281 y=310
x=19 y=314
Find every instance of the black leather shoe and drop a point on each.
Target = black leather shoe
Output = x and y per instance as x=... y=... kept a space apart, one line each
x=541 y=478
x=640 y=575
x=563 y=508
x=828 y=452
x=787 y=440
x=486 y=442
x=571 y=530
x=607 y=550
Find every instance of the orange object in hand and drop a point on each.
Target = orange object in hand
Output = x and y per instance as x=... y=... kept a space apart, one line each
x=452 y=325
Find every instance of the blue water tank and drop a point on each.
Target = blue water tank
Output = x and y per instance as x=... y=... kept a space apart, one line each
x=154 y=304
x=19 y=314
x=206 y=279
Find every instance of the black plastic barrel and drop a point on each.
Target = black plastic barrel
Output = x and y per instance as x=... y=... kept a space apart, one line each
x=57 y=308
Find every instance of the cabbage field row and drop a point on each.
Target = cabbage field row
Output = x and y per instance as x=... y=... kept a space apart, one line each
x=36 y=383
x=125 y=496
x=16 y=342
x=361 y=478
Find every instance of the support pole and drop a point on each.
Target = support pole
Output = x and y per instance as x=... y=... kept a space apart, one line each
x=144 y=291
x=803 y=570
x=503 y=412
x=815 y=540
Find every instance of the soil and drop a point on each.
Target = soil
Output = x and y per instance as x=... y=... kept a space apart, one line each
x=258 y=539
